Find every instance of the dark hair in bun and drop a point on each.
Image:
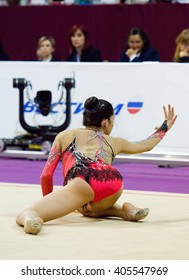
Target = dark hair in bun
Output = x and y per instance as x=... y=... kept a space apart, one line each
x=96 y=110
x=91 y=103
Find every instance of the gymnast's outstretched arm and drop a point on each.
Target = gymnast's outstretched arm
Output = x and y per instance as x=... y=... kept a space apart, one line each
x=124 y=146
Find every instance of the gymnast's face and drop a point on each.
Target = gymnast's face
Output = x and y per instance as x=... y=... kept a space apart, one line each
x=78 y=39
x=135 y=42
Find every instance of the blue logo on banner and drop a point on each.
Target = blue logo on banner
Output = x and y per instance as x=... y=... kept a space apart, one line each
x=77 y=108
x=134 y=107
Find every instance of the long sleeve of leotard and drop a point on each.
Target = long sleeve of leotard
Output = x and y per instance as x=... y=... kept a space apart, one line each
x=46 y=177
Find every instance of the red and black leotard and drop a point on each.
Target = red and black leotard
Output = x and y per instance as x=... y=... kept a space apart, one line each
x=103 y=178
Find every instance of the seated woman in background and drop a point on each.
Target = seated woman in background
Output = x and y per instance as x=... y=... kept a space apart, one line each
x=3 y=55
x=46 y=48
x=182 y=47
x=80 y=49
x=138 y=48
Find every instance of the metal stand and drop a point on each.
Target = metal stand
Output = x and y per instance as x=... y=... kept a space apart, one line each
x=43 y=134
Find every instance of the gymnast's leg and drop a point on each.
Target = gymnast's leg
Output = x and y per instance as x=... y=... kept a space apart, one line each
x=108 y=207
x=55 y=205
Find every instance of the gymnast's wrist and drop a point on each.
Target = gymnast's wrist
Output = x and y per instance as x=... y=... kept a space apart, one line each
x=163 y=127
x=160 y=133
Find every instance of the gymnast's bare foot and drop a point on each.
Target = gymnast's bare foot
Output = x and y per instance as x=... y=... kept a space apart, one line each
x=33 y=226
x=131 y=213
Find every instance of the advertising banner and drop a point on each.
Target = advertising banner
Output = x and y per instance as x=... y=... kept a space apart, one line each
x=137 y=92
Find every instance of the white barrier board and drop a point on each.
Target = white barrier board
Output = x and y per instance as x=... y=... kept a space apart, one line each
x=147 y=86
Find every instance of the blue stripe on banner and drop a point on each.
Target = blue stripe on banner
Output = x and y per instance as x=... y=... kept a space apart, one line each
x=135 y=104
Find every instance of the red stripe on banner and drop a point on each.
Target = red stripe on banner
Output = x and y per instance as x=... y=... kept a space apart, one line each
x=133 y=111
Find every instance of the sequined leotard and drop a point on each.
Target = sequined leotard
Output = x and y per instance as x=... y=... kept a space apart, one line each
x=103 y=178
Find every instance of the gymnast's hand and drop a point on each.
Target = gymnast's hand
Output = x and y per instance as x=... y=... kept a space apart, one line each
x=170 y=116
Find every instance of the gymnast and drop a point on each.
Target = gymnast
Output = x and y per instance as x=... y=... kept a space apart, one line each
x=92 y=185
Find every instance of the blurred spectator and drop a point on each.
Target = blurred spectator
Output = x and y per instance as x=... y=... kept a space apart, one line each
x=80 y=49
x=134 y=1
x=138 y=48
x=169 y=1
x=182 y=47
x=13 y=2
x=162 y=1
x=46 y=48
x=3 y=55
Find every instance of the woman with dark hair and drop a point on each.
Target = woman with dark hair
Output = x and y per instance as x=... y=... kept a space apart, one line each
x=91 y=184
x=80 y=49
x=138 y=48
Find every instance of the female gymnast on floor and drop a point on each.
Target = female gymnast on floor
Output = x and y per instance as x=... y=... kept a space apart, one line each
x=92 y=185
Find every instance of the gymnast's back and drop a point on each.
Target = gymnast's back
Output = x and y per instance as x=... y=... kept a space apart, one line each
x=93 y=144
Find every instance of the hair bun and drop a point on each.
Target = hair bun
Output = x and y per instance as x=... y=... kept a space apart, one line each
x=91 y=103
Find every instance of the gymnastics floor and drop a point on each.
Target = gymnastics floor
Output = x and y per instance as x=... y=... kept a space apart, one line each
x=163 y=235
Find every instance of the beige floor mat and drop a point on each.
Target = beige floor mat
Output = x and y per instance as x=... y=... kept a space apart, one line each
x=163 y=235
